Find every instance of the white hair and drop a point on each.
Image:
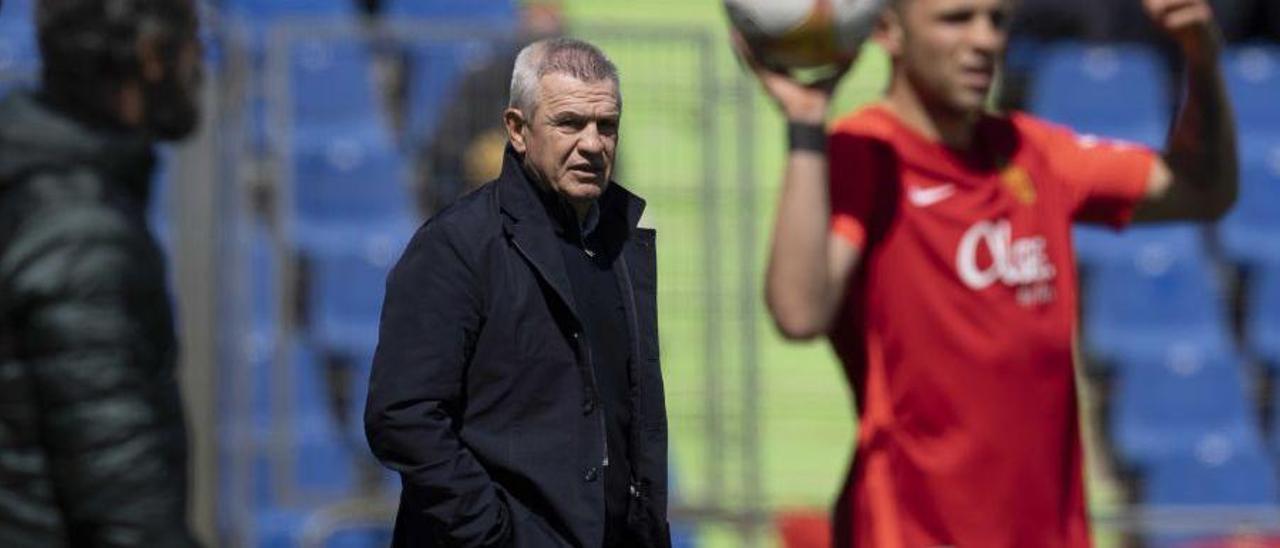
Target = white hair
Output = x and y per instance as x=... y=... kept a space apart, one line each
x=570 y=56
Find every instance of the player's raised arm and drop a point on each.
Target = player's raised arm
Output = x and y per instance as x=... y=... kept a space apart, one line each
x=808 y=267
x=1198 y=177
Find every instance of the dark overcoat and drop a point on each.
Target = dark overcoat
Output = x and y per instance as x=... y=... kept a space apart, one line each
x=483 y=395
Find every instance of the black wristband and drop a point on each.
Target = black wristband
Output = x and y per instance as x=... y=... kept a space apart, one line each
x=810 y=137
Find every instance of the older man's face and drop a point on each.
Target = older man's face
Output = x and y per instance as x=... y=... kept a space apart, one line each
x=570 y=138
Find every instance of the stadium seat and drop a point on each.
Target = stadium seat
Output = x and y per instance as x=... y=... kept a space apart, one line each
x=348 y=186
x=19 y=55
x=1242 y=476
x=1253 y=79
x=263 y=298
x=475 y=10
x=1159 y=296
x=287 y=528
x=272 y=10
x=1262 y=324
x=346 y=297
x=304 y=396
x=323 y=465
x=1185 y=402
x=331 y=82
x=1251 y=230
x=1092 y=88
x=1095 y=245
x=296 y=418
x=436 y=70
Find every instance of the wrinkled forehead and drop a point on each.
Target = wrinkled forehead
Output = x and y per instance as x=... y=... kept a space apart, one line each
x=564 y=92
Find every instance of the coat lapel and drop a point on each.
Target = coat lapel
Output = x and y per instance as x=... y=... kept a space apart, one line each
x=529 y=228
x=538 y=246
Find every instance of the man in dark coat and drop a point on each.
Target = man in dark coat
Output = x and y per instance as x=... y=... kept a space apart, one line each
x=92 y=440
x=516 y=386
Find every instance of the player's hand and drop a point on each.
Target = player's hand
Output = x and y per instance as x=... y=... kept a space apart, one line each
x=799 y=101
x=1190 y=23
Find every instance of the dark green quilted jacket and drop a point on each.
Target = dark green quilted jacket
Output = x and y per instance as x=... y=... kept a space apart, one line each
x=92 y=441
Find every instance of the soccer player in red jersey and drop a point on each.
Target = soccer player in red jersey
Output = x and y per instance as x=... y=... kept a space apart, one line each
x=930 y=241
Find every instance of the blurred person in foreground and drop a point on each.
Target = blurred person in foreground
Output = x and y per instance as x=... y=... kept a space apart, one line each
x=466 y=148
x=930 y=241
x=92 y=439
x=516 y=386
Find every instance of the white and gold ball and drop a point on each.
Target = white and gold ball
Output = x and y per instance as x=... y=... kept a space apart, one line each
x=804 y=33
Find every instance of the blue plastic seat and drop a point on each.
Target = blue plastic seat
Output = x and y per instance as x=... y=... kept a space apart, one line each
x=1111 y=91
x=271 y=10
x=1185 y=401
x=437 y=69
x=305 y=429
x=1253 y=79
x=1096 y=245
x=1262 y=326
x=19 y=53
x=263 y=297
x=1159 y=296
x=1251 y=230
x=284 y=528
x=331 y=82
x=348 y=187
x=1235 y=476
x=484 y=10
x=346 y=298
x=306 y=386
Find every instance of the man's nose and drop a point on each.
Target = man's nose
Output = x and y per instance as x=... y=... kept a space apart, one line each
x=987 y=35
x=591 y=141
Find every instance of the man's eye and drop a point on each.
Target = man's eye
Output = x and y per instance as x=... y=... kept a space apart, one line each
x=569 y=123
x=999 y=19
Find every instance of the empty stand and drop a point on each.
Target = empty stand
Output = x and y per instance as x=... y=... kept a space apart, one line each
x=1092 y=88
x=1262 y=323
x=1251 y=231
x=1159 y=295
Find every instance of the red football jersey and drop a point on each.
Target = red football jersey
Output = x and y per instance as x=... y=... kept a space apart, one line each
x=956 y=330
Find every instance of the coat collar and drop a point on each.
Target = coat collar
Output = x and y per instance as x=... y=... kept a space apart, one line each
x=521 y=201
x=529 y=224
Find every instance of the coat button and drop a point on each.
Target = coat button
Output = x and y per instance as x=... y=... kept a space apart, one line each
x=588 y=407
x=593 y=474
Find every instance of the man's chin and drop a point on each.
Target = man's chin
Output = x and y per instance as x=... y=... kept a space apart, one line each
x=586 y=190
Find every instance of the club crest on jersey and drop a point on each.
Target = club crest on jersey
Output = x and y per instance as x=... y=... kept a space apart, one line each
x=1021 y=263
x=1018 y=181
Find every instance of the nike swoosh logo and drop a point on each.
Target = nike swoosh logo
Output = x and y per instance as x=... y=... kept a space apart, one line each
x=925 y=197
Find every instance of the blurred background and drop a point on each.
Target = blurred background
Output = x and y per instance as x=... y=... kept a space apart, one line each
x=334 y=127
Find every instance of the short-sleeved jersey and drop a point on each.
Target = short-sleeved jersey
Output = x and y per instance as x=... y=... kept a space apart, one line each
x=956 y=327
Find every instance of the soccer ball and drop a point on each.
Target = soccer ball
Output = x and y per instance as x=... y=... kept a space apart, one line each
x=804 y=33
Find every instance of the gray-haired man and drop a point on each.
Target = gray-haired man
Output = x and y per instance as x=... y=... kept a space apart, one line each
x=516 y=386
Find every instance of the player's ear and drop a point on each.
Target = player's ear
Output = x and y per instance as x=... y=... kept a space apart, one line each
x=888 y=31
x=514 y=121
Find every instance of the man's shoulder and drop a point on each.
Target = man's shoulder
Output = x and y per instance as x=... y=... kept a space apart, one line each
x=69 y=205
x=467 y=220
x=61 y=231
x=1032 y=128
x=870 y=121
